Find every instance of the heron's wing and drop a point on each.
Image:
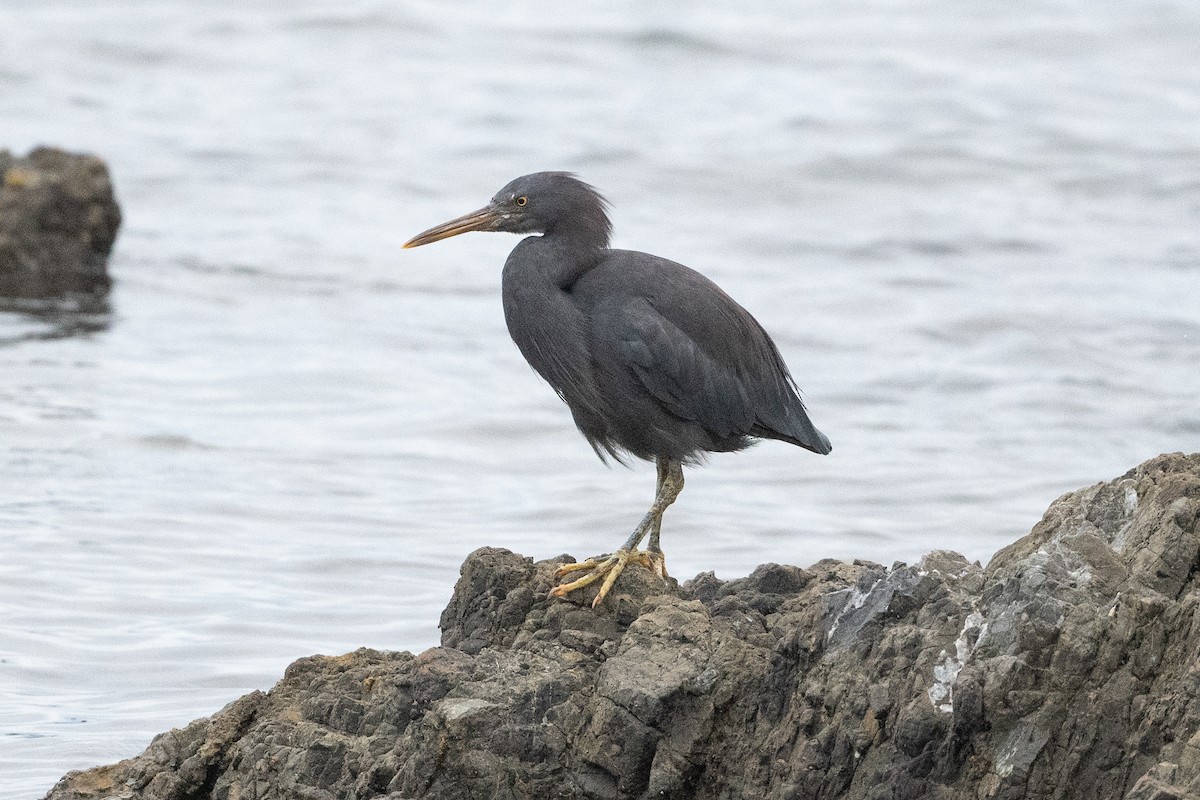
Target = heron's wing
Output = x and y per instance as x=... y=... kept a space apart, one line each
x=690 y=383
x=697 y=352
x=737 y=344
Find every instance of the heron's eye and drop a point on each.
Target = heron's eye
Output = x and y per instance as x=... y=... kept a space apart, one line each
x=522 y=200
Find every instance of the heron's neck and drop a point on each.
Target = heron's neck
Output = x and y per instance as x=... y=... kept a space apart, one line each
x=562 y=257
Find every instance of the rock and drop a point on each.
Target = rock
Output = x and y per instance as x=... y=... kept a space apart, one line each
x=58 y=222
x=1069 y=667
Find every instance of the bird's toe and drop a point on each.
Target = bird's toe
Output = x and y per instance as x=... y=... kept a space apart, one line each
x=596 y=568
x=608 y=568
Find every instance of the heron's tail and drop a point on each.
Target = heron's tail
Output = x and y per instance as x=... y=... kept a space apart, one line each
x=794 y=427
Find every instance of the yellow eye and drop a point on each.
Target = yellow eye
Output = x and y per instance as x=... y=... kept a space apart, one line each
x=522 y=200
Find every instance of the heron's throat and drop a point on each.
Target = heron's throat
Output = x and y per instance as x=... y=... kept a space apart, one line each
x=588 y=228
x=563 y=258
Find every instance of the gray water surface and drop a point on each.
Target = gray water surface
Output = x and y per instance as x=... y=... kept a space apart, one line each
x=974 y=231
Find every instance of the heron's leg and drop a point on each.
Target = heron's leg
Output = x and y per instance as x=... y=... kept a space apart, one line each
x=670 y=484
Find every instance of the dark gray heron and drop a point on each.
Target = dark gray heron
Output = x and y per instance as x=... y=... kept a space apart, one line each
x=653 y=359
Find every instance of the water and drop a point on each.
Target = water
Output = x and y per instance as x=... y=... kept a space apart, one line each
x=973 y=230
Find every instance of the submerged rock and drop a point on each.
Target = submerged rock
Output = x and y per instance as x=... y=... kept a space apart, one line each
x=58 y=222
x=1069 y=667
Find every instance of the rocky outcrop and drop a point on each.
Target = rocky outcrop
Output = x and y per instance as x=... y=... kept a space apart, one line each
x=58 y=222
x=1069 y=667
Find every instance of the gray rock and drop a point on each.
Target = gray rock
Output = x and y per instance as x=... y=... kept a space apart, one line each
x=58 y=222
x=1068 y=668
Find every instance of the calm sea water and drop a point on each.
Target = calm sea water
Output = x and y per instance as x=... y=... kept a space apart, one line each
x=973 y=229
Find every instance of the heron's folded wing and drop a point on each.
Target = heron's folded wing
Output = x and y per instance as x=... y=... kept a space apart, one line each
x=688 y=382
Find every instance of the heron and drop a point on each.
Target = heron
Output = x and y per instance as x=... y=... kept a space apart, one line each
x=653 y=359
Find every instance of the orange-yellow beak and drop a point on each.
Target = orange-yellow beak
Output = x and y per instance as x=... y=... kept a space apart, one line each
x=484 y=219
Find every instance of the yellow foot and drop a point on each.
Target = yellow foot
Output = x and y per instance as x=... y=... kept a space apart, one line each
x=608 y=567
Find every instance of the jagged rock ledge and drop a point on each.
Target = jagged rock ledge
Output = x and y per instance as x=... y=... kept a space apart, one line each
x=58 y=222
x=1069 y=667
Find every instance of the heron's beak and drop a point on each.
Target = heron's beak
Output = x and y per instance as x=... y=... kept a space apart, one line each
x=484 y=219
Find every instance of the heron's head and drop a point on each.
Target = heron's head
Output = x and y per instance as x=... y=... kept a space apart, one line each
x=545 y=202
